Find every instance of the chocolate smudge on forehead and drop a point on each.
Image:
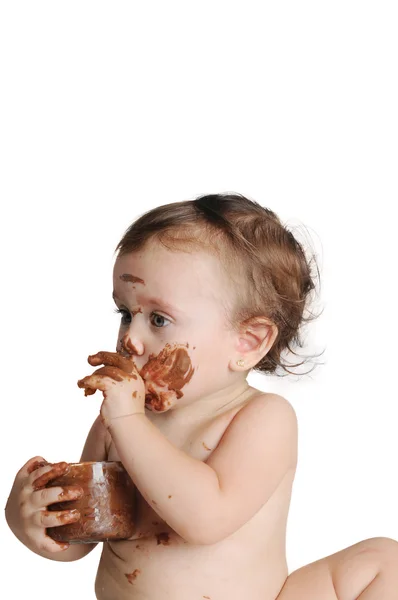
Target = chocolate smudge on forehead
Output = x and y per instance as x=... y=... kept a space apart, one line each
x=131 y=278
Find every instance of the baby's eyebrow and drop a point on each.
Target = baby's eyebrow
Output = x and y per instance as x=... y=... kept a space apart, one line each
x=158 y=301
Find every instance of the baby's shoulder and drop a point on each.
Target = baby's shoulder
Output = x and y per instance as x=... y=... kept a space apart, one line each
x=269 y=409
x=270 y=399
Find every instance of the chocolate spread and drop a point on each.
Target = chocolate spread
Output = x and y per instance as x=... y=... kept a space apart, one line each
x=106 y=507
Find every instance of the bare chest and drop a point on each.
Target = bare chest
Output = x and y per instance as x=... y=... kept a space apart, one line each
x=157 y=555
x=199 y=442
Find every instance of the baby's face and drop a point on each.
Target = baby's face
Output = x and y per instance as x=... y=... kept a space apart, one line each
x=172 y=323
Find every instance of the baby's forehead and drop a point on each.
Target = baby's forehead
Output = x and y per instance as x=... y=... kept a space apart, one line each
x=160 y=262
x=176 y=273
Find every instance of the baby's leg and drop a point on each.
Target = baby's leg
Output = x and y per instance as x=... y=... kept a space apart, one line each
x=365 y=571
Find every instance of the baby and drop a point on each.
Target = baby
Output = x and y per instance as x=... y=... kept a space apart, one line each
x=207 y=290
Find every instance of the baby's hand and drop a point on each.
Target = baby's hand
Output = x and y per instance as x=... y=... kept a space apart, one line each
x=120 y=382
x=29 y=499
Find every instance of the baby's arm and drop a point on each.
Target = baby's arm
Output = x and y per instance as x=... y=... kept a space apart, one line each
x=94 y=450
x=206 y=502
x=256 y=452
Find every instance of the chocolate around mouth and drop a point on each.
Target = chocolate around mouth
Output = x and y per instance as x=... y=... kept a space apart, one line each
x=163 y=374
x=160 y=401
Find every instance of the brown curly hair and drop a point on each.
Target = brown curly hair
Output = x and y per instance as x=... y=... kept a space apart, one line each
x=265 y=264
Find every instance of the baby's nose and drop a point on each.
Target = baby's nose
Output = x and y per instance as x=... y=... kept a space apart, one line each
x=130 y=347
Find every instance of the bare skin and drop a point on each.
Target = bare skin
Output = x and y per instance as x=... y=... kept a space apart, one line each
x=251 y=563
x=364 y=571
x=193 y=416
x=199 y=420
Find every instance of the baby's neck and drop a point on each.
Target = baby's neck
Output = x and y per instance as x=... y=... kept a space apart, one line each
x=209 y=406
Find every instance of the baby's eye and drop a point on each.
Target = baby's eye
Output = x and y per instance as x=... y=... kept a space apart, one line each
x=126 y=317
x=159 y=317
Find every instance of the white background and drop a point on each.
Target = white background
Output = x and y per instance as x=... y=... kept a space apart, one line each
x=111 y=108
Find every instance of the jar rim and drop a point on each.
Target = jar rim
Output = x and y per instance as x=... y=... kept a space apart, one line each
x=96 y=462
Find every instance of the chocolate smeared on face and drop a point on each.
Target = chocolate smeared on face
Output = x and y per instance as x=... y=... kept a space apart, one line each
x=171 y=369
x=131 y=278
x=126 y=348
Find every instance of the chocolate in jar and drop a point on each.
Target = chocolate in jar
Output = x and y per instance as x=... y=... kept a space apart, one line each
x=106 y=507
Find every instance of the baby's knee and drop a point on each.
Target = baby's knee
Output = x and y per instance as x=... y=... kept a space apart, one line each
x=385 y=548
x=355 y=568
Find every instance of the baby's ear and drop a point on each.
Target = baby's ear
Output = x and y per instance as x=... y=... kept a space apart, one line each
x=255 y=340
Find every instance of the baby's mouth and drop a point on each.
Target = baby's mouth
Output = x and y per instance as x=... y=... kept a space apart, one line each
x=159 y=398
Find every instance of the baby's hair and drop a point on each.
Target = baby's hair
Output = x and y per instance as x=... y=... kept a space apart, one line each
x=265 y=265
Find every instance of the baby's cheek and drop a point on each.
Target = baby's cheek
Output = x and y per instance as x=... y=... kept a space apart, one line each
x=165 y=374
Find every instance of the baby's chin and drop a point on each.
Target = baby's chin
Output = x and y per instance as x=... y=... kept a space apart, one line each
x=159 y=402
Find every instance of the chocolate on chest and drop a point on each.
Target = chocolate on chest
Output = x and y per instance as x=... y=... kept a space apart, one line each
x=147 y=522
x=199 y=444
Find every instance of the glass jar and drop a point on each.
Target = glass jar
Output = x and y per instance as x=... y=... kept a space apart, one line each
x=106 y=507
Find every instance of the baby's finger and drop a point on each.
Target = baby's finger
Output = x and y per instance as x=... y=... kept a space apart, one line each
x=36 y=465
x=54 y=546
x=28 y=467
x=50 y=495
x=55 y=470
x=46 y=543
x=102 y=379
x=112 y=359
x=55 y=518
x=88 y=391
x=115 y=373
x=92 y=383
